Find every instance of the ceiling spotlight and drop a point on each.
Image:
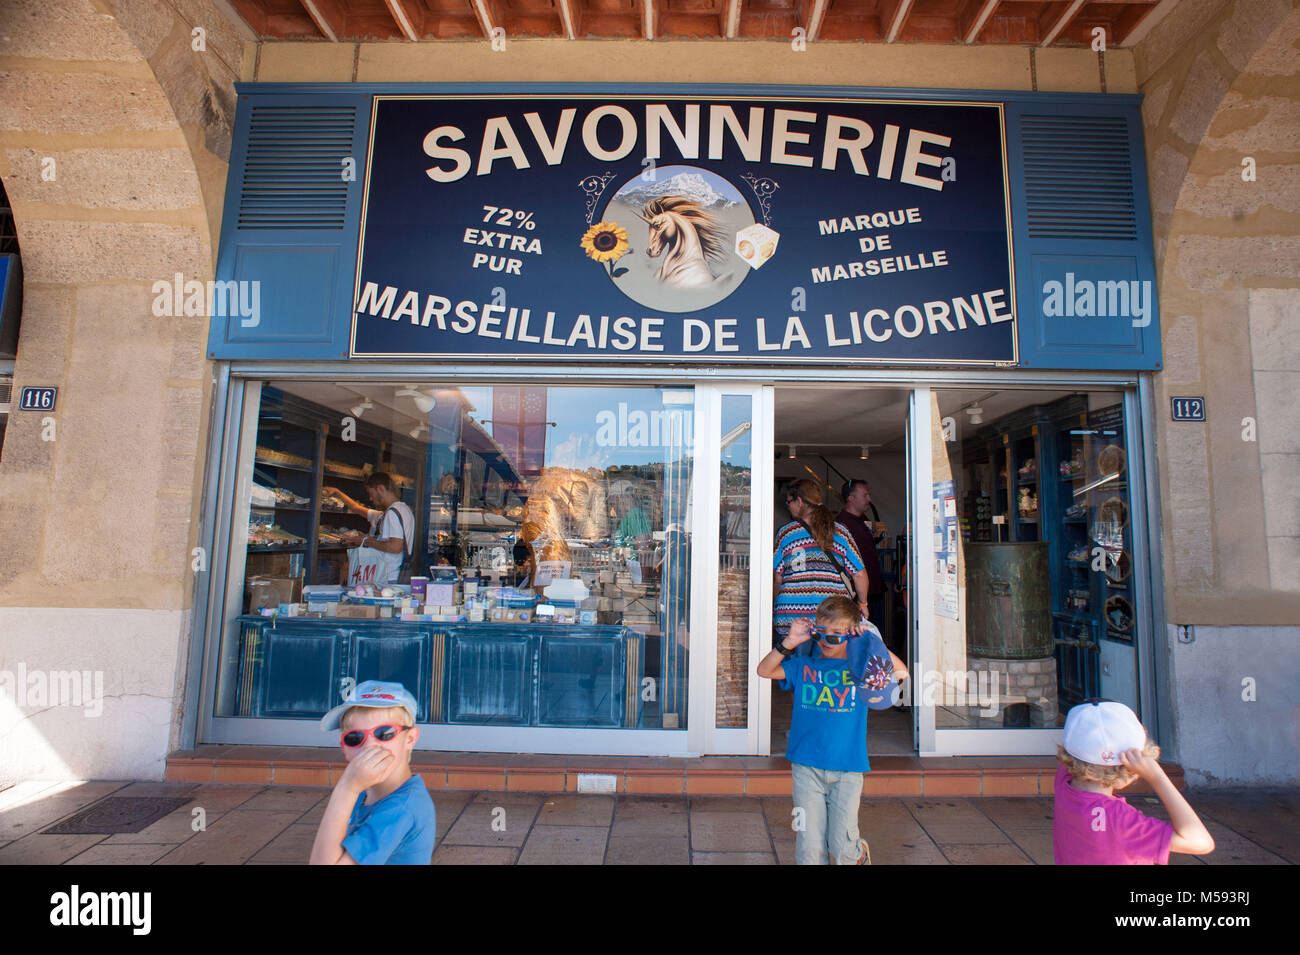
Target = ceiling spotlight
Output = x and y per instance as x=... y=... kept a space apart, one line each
x=976 y=414
x=417 y=431
x=866 y=453
x=425 y=403
x=358 y=410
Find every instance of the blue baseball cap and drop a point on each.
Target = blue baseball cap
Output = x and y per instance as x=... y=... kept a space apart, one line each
x=373 y=694
x=873 y=668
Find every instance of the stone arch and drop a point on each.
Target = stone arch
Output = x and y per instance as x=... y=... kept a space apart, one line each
x=98 y=514
x=1227 y=248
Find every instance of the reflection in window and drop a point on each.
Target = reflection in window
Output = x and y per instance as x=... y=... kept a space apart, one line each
x=545 y=579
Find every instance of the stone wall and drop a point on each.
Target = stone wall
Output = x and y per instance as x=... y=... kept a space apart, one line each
x=114 y=143
x=1222 y=87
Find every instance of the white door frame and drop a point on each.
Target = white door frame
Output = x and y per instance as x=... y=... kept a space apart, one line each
x=754 y=738
x=932 y=741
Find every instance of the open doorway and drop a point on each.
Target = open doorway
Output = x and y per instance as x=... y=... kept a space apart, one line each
x=834 y=436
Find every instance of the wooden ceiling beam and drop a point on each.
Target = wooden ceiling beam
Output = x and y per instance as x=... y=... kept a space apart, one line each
x=1062 y=22
x=484 y=17
x=328 y=17
x=731 y=26
x=409 y=17
x=567 y=18
x=975 y=19
x=892 y=18
x=649 y=18
x=816 y=17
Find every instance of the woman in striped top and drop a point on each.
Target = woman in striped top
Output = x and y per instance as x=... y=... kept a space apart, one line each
x=805 y=576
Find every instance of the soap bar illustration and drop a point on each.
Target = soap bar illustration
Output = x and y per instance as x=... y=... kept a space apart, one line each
x=756 y=244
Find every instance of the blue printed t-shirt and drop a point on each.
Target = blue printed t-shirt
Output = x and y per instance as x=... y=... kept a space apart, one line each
x=829 y=727
x=397 y=830
x=807 y=575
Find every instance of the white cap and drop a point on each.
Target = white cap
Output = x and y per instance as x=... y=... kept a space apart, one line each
x=1099 y=731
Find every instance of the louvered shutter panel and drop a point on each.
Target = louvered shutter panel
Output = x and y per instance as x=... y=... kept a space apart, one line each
x=291 y=221
x=1081 y=214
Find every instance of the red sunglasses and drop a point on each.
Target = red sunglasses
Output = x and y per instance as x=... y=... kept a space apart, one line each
x=382 y=733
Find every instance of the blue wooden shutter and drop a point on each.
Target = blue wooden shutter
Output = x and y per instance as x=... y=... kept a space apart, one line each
x=1080 y=213
x=291 y=223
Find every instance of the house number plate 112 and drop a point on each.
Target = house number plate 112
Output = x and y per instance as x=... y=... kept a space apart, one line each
x=1187 y=409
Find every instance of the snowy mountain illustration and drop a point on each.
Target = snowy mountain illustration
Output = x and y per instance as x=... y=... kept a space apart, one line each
x=689 y=184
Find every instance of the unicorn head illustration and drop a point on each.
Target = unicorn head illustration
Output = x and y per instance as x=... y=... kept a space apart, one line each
x=687 y=237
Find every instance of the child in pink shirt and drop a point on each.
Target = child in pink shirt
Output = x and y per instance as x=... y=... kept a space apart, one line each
x=1105 y=749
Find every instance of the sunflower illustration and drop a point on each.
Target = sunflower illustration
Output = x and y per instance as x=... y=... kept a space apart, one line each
x=606 y=242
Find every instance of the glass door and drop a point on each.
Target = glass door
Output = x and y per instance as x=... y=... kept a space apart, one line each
x=731 y=576
x=1023 y=562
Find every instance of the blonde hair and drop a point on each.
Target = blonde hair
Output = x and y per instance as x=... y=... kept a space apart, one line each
x=398 y=714
x=838 y=611
x=1115 y=777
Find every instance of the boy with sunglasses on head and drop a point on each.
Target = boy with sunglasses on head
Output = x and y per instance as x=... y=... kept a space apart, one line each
x=379 y=813
x=827 y=747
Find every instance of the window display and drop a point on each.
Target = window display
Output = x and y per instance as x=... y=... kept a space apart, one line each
x=517 y=555
x=1045 y=614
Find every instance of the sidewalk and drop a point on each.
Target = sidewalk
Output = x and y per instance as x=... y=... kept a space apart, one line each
x=275 y=825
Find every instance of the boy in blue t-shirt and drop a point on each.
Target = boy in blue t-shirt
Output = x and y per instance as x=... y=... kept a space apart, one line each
x=828 y=733
x=379 y=813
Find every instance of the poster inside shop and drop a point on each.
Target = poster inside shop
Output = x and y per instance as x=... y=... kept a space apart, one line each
x=675 y=228
x=946 y=535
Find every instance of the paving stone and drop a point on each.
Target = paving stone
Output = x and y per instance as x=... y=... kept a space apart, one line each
x=448 y=806
x=906 y=854
x=480 y=825
x=985 y=855
x=570 y=810
x=475 y=855
x=291 y=847
x=725 y=804
x=42 y=810
x=220 y=797
x=40 y=849
x=1035 y=843
x=287 y=799
x=732 y=858
x=105 y=854
x=951 y=821
x=172 y=829
x=634 y=807
x=564 y=845
x=729 y=832
x=157 y=789
x=506 y=798
x=1270 y=821
x=233 y=839
x=647 y=850
x=1231 y=848
x=1016 y=812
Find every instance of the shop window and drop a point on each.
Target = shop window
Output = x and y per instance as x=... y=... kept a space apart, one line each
x=1035 y=607
x=514 y=555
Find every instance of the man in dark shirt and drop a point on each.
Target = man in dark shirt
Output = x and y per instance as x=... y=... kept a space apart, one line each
x=857 y=498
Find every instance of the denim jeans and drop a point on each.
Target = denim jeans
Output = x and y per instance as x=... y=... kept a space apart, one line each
x=830 y=803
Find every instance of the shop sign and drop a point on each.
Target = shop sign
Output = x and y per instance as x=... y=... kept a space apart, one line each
x=679 y=228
